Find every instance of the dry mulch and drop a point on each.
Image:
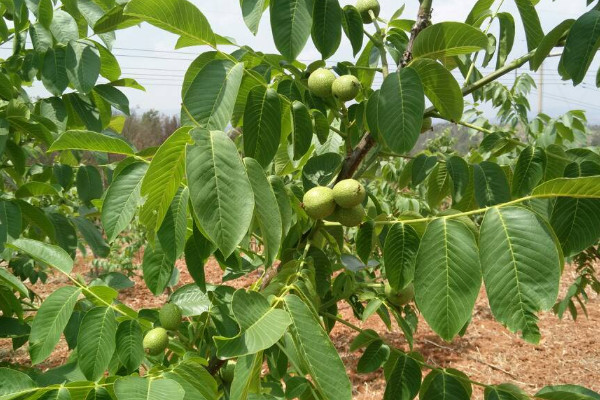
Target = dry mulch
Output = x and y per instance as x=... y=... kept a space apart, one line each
x=568 y=353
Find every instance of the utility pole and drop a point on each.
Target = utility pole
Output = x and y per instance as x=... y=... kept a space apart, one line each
x=541 y=88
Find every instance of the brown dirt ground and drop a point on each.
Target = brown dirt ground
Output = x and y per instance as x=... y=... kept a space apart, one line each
x=568 y=353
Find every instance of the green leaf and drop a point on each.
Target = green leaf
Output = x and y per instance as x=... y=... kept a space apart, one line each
x=91 y=141
x=262 y=124
x=85 y=113
x=163 y=178
x=180 y=17
x=45 y=12
x=521 y=267
x=250 y=80
x=113 y=96
x=191 y=300
x=321 y=170
x=54 y=71
x=45 y=253
x=138 y=388
x=96 y=342
x=246 y=376
x=567 y=392
x=101 y=294
x=446 y=39
x=369 y=57
x=576 y=221
x=210 y=98
x=14 y=384
x=173 y=230
x=266 y=209
x=549 y=42
x=321 y=126
x=261 y=325
x=581 y=46
x=34 y=189
x=83 y=65
x=252 y=10
x=10 y=222
x=41 y=38
x=440 y=87
x=195 y=67
x=8 y=279
x=109 y=65
x=122 y=199
x=491 y=184
x=531 y=22
x=462 y=183
x=505 y=391
x=291 y=22
x=128 y=83
x=283 y=202
x=447 y=276
x=401 y=103
x=50 y=320
x=89 y=183
x=438 y=185
x=114 y=19
x=506 y=37
x=529 y=171
x=38 y=219
x=353 y=27
x=195 y=379
x=365 y=241
x=197 y=250
x=220 y=192
x=480 y=11
x=422 y=167
x=405 y=379
x=327 y=26
x=129 y=344
x=92 y=236
x=445 y=386
x=373 y=357
x=302 y=131
x=400 y=253
x=583 y=187
x=314 y=346
x=157 y=267
x=63 y=27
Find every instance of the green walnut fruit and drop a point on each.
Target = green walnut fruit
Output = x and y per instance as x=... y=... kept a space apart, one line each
x=156 y=341
x=399 y=297
x=227 y=371
x=320 y=82
x=349 y=193
x=169 y=316
x=350 y=216
x=346 y=87
x=318 y=202
x=364 y=6
x=427 y=124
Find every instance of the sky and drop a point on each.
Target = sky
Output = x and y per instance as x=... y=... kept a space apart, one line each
x=147 y=54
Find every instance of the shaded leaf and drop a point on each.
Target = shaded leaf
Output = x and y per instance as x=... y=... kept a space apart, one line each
x=447 y=276
x=291 y=22
x=96 y=342
x=220 y=192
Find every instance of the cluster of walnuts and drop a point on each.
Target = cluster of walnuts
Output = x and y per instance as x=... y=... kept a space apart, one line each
x=157 y=339
x=341 y=204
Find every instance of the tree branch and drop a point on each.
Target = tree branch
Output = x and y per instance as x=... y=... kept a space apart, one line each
x=367 y=142
x=422 y=22
x=490 y=78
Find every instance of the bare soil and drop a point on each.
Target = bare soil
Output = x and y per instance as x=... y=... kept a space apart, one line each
x=568 y=353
